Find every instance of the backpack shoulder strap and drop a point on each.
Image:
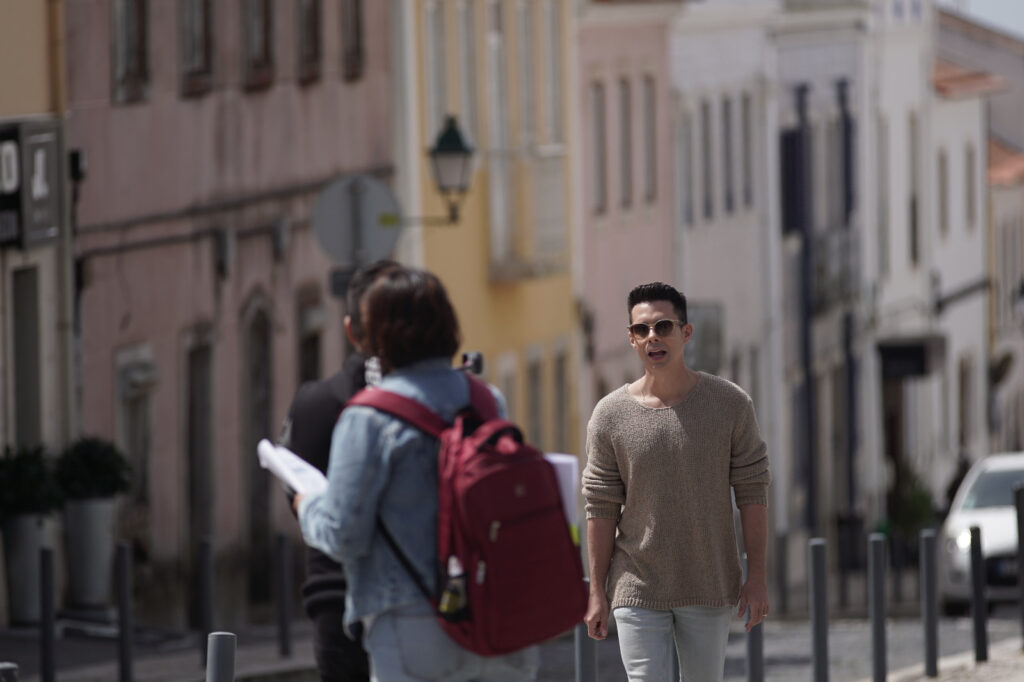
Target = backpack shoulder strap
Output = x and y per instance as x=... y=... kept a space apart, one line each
x=481 y=398
x=407 y=409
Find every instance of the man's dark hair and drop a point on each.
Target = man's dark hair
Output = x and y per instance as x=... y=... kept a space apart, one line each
x=361 y=281
x=657 y=291
x=409 y=318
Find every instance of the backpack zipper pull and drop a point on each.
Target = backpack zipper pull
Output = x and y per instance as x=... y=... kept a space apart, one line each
x=495 y=525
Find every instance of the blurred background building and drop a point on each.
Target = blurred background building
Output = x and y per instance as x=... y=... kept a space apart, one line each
x=209 y=128
x=837 y=185
x=36 y=398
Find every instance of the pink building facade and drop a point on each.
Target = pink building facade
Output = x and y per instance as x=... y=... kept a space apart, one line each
x=203 y=297
x=626 y=179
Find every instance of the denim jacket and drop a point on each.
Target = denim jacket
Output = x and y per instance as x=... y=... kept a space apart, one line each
x=381 y=465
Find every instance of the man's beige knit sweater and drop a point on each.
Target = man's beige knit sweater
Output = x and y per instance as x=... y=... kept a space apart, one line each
x=665 y=474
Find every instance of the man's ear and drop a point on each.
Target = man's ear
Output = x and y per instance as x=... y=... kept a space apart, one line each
x=349 y=332
x=687 y=331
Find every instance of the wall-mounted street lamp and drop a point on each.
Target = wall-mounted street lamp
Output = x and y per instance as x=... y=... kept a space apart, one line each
x=451 y=158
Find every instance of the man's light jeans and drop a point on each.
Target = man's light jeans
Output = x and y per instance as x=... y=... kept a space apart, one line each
x=407 y=644
x=648 y=640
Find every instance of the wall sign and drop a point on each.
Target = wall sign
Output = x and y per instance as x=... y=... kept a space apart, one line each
x=30 y=187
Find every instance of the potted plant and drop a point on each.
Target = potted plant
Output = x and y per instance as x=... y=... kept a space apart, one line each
x=91 y=472
x=30 y=494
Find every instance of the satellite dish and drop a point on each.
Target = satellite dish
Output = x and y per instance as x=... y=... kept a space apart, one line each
x=354 y=220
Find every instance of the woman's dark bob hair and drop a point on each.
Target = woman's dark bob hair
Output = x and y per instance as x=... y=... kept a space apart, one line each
x=408 y=318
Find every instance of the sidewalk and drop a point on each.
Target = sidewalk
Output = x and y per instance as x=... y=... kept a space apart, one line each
x=787 y=655
x=1005 y=664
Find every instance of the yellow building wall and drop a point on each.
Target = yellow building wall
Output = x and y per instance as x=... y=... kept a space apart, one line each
x=510 y=315
x=26 y=46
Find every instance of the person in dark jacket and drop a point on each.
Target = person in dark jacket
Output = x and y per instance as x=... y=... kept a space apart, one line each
x=307 y=432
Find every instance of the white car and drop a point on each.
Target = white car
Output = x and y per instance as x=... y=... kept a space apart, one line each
x=985 y=499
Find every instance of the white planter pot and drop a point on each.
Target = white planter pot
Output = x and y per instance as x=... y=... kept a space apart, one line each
x=89 y=540
x=24 y=537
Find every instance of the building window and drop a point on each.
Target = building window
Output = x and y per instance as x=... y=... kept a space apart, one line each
x=598 y=144
x=684 y=163
x=705 y=133
x=27 y=358
x=131 y=50
x=625 y=143
x=553 y=54
x=914 y=236
x=943 y=172
x=258 y=30
x=507 y=367
x=258 y=392
x=353 y=50
x=136 y=380
x=727 y=170
x=196 y=47
x=467 y=66
x=199 y=421
x=310 y=41
x=561 y=405
x=501 y=173
x=436 y=61
x=650 y=141
x=971 y=186
x=746 y=139
x=535 y=402
x=311 y=323
x=834 y=163
x=792 y=166
x=883 y=196
x=526 y=66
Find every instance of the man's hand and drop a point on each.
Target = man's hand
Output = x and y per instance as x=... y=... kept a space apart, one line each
x=295 y=503
x=754 y=594
x=597 y=615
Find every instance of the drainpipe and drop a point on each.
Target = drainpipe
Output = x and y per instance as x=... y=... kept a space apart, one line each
x=807 y=312
x=66 y=324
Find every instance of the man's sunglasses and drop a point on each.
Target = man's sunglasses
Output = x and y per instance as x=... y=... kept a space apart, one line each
x=641 y=330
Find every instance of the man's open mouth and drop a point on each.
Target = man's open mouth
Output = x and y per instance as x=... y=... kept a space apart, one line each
x=656 y=354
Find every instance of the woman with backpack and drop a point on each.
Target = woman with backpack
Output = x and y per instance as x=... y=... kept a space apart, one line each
x=383 y=480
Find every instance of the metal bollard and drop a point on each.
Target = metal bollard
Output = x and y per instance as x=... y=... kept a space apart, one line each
x=220 y=657
x=586 y=654
x=755 y=654
x=205 y=569
x=929 y=603
x=755 y=645
x=781 y=579
x=1018 y=500
x=125 y=624
x=876 y=604
x=284 y=600
x=585 y=649
x=979 y=605
x=8 y=672
x=819 y=609
x=47 y=664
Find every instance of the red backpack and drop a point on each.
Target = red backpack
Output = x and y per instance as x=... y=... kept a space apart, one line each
x=509 y=573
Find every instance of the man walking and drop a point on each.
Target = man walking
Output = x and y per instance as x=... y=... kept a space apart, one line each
x=665 y=456
x=307 y=432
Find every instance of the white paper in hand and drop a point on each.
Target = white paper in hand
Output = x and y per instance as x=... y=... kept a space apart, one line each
x=295 y=472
